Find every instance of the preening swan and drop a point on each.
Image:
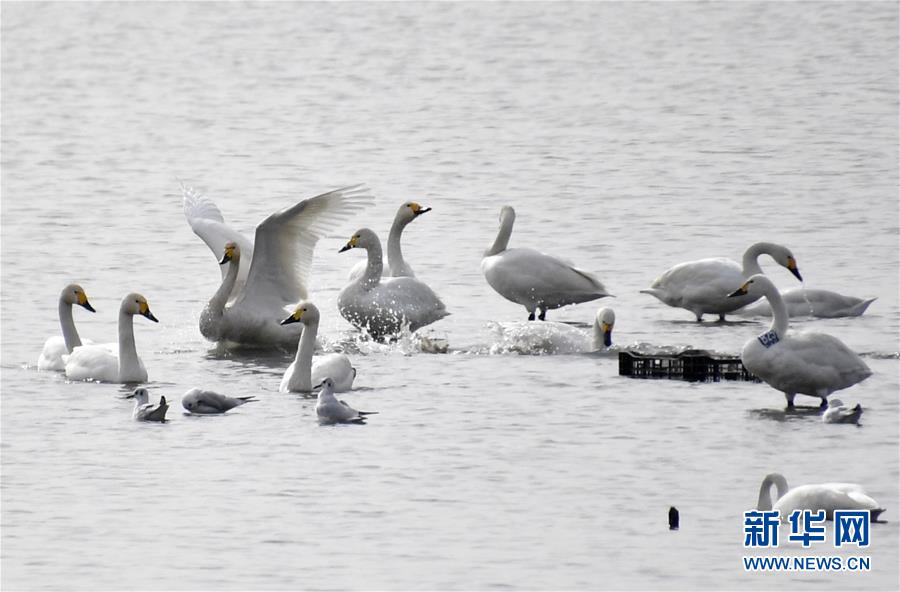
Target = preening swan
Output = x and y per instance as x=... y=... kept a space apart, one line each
x=208 y=402
x=703 y=286
x=825 y=496
x=96 y=362
x=330 y=410
x=303 y=373
x=533 y=279
x=397 y=266
x=144 y=410
x=382 y=307
x=555 y=338
x=802 y=302
x=56 y=347
x=278 y=274
x=837 y=412
x=814 y=364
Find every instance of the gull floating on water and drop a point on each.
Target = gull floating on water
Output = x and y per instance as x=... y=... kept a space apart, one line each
x=144 y=410
x=837 y=412
x=331 y=411
x=209 y=402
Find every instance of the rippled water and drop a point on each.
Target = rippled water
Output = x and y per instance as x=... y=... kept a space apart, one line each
x=629 y=137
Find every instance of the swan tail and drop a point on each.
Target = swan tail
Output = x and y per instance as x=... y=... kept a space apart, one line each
x=859 y=309
x=367 y=412
x=874 y=514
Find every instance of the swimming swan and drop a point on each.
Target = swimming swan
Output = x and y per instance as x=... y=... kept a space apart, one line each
x=96 y=362
x=397 y=266
x=825 y=496
x=703 y=286
x=814 y=364
x=302 y=373
x=56 y=347
x=556 y=338
x=331 y=411
x=144 y=410
x=802 y=302
x=383 y=306
x=533 y=279
x=279 y=269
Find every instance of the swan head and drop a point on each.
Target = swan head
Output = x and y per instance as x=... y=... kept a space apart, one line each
x=606 y=320
x=757 y=285
x=362 y=238
x=306 y=313
x=834 y=403
x=784 y=257
x=140 y=394
x=74 y=294
x=507 y=213
x=232 y=252
x=135 y=304
x=410 y=211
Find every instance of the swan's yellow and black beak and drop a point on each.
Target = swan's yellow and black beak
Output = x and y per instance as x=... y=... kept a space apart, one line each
x=606 y=329
x=228 y=256
x=145 y=312
x=294 y=318
x=83 y=301
x=742 y=291
x=792 y=267
x=350 y=244
x=417 y=209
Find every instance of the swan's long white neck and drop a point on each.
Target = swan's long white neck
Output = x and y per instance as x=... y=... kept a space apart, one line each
x=750 y=262
x=374 y=266
x=598 y=341
x=301 y=379
x=129 y=363
x=67 y=323
x=217 y=303
x=765 y=491
x=396 y=262
x=779 y=310
x=506 y=225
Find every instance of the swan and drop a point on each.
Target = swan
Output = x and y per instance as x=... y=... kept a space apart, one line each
x=330 y=410
x=557 y=338
x=208 y=402
x=302 y=373
x=56 y=347
x=533 y=279
x=825 y=496
x=96 y=362
x=702 y=286
x=397 y=266
x=814 y=364
x=383 y=307
x=144 y=410
x=802 y=302
x=246 y=308
x=837 y=412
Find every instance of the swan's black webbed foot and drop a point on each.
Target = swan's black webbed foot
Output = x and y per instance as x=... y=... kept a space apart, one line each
x=543 y=315
x=824 y=404
x=531 y=316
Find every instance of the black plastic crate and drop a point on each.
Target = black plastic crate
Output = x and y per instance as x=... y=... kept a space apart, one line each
x=690 y=365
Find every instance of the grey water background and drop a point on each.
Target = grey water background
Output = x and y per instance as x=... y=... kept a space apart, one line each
x=629 y=137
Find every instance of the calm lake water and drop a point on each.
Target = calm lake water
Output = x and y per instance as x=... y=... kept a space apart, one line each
x=629 y=137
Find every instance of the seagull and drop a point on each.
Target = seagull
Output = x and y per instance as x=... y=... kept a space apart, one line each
x=837 y=412
x=331 y=411
x=209 y=402
x=146 y=411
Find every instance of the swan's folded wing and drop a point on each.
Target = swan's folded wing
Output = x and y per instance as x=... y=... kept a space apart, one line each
x=207 y=222
x=284 y=244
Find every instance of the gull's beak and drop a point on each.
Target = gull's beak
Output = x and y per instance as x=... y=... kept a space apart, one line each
x=131 y=396
x=742 y=291
x=792 y=266
x=320 y=385
x=87 y=305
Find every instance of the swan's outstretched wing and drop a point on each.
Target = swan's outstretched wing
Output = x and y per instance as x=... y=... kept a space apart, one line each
x=284 y=244
x=207 y=222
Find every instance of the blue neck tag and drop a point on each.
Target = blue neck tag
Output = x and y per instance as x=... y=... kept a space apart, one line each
x=768 y=339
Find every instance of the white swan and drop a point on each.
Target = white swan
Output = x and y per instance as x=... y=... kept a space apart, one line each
x=330 y=410
x=556 y=338
x=533 y=279
x=384 y=307
x=96 y=362
x=837 y=412
x=703 y=286
x=144 y=410
x=825 y=496
x=302 y=373
x=802 y=302
x=208 y=402
x=814 y=364
x=56 y=347
x=247 y=312
x=397 y=266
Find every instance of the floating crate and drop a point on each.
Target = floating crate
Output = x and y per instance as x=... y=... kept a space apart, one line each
x=691 y=365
